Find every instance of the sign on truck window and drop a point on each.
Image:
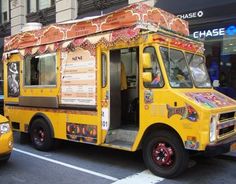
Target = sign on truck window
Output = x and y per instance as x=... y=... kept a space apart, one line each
x=78 y=78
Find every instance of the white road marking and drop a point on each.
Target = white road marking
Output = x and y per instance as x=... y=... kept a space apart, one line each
x=67 y=165
x=140 y=178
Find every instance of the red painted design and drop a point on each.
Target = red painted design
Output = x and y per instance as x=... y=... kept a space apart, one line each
x=157 y=17
x=81 y=29
x=52 y=34
x=163 y=154
x=124 y=34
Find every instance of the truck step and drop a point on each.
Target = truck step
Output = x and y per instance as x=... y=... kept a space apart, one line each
x=121 y=144
x=121 y=135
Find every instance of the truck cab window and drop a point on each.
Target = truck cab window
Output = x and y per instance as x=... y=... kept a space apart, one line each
x=176 y=68
x=40 y=70
x=157 y=78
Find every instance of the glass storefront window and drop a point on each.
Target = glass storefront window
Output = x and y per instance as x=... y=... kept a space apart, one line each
x=198 y=70
x=220 y=60
x=176 y=68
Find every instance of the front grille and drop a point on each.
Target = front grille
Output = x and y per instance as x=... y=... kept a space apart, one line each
x=226 y=116
x=226 y=124
x=226 y=130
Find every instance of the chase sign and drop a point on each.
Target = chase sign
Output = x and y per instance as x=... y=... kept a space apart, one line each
x=216 y=32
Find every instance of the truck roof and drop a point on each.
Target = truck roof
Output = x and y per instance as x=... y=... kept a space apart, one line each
x=135 y=17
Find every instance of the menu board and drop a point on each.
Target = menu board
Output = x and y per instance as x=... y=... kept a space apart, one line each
x=78 y=78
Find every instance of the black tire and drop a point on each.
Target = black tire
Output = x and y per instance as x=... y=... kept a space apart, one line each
x=164 y=154
x=24 y=138
x=5 y=159
x=41 y=136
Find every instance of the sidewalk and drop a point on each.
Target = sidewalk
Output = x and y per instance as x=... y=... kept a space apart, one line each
x=231 y=155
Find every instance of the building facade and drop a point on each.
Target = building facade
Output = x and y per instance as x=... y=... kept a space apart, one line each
x=213 y=21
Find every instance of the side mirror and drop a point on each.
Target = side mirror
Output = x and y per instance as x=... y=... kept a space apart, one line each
x=147 y=76
x=147 y=60
x=216 y=83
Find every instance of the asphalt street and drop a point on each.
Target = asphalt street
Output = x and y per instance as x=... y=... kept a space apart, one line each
x=74 y=163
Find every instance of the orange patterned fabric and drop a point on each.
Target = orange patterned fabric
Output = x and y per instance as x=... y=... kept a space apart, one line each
x=136 y=15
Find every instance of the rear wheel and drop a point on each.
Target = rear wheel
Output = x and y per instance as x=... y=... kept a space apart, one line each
x=40 y=134
x=164 y=154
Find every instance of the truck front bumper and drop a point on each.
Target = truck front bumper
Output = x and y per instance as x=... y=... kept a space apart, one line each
x=221 y=147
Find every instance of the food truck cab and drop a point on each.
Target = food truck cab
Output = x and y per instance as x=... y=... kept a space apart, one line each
x=132 y=79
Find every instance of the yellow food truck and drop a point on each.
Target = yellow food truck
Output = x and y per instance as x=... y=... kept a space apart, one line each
x=132 y=79
x=6 y=139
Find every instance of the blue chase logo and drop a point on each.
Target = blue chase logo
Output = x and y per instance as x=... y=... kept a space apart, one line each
x=231 y=30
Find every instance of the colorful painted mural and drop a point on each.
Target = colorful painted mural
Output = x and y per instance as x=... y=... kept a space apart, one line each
x=81 y=132
x=187 y=112
x=211 y=99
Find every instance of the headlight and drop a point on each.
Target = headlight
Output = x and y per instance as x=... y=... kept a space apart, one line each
x=4 y=128
x=213 y=125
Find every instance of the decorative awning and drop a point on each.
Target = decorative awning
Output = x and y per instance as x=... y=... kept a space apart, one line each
x=90 y=42
x=135 y=15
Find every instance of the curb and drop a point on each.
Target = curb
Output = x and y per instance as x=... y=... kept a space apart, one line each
x=228 y=156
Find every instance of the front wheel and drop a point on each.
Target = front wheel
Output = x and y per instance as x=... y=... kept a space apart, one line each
x=164 y=154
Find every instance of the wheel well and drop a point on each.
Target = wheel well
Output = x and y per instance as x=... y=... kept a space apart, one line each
x=45 y=118
x=157 y=127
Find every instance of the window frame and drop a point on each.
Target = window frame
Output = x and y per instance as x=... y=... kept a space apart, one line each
x=132 y=61
x=168 y=77
x=40 y=86
x=158 y=62
x=102 y=70
x=194 y=82
x=8 y=12
x=52 y=3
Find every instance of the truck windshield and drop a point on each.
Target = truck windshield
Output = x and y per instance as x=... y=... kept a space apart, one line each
x=176 y=68
x=198 y=70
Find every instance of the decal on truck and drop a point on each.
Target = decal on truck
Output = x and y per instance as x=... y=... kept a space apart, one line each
x=211 y=99
x=81 y=132
x=13 y=79
x=187 y=112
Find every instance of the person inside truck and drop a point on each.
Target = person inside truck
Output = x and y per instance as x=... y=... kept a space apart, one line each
x=179 y=75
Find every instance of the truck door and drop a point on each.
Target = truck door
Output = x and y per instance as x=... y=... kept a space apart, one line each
x=120 y=96
x=151 y=85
